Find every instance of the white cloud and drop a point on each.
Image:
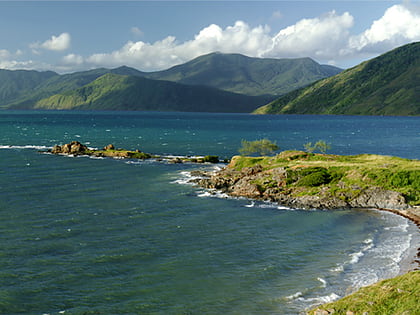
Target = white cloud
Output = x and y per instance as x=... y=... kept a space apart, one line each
x=239 y=38
x=73 y=59
x=400 y=24
x=317 y=37
x=55 y=43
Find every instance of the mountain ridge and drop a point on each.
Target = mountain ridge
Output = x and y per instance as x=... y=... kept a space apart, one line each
x=123 y=92
x=247 y=75
x=385 y=85
x=232 y=73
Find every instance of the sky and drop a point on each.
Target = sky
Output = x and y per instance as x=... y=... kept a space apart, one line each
x=69 y=36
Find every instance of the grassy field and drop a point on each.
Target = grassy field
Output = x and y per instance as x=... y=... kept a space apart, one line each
x=396 y=296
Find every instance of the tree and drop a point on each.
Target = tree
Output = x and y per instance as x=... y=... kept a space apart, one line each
x=320 y=146
x=260 y=147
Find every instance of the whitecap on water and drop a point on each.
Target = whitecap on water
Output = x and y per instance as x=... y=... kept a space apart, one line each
x=29 y=146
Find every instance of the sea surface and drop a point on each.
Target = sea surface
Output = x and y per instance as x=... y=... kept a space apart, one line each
x=80 y=235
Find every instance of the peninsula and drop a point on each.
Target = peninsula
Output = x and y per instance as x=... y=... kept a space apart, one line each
x=305 y=180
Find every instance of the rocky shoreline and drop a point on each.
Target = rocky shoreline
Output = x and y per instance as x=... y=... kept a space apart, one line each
x=75 y=148
x=270 y=184
x=244 y=183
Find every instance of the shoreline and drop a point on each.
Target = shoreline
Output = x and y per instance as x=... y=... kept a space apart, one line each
x=413 y=215
x=279 y=180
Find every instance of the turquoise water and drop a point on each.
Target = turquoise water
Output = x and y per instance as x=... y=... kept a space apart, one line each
x=104 y=236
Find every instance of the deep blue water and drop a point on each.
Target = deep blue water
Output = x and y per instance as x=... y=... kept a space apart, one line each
x=104 y=236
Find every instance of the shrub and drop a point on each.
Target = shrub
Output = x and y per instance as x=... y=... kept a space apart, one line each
x=260 y=147
x=316 y=178
x=320 y=146
x=211 y=159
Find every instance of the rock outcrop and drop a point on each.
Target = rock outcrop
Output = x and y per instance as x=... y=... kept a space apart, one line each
x=270 y=185
x=73 y=148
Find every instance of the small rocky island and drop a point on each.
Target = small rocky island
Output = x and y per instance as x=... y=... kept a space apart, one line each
x=75 y=148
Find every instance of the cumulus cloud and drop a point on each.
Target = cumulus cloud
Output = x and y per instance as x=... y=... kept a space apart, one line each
x=55 y=43
x=238 y=38
x=317 y=37
x=400 y=24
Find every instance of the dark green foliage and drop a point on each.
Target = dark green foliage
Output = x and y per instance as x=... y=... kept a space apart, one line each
x=260 y=147
x=257 y=80
x=309 y=176
x=211 y=159
x=314 y=179
x=246 y=75
x=118 y=92
x=386 y=85
x=13 y=84
x=406 y=178
x=140 y=155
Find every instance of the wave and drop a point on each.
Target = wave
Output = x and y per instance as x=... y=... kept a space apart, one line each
x=294 y=296
x=323 y=282
x=28 y=146
x=320 y=299
x=355 y=257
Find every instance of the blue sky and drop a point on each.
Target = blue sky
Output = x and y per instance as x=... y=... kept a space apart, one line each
x=68 y=36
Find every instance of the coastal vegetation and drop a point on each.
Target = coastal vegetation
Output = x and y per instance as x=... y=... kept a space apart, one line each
x=343 y=177
x=259 y=147
x=301 y=179
x=397 y=296
x=320 y=146
x=385 y=85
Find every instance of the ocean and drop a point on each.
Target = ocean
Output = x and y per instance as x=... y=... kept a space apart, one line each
x=81 y=235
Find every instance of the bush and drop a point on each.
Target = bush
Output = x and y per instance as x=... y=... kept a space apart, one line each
x=260 y=147
x=309 y=176
x=320 y=146
x=314 y=179
x=406 y=178
x=211 y=159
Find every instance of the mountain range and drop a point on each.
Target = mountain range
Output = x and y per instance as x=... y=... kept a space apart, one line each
x=386 y=85
x=212 y=83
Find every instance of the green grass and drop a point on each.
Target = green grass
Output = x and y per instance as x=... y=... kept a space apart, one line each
x=343 y=175
x=396 y=296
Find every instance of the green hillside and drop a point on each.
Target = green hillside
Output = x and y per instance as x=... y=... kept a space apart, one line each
x=15 y=83
x=386 y=85
x=120 y=92
x=246 y=75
